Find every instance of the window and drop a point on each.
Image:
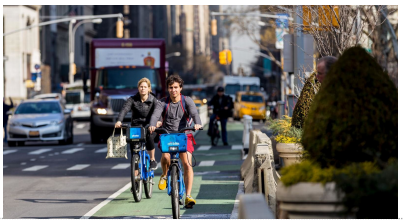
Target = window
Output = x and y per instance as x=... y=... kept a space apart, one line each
x=251 y=98
x=38 y=108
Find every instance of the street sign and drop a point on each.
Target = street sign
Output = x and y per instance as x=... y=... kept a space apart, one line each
x=280 y=32
x=283 y=22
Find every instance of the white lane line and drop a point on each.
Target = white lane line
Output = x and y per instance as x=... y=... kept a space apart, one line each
x=207 y=163
x=70 y=151
x=105 y=202
x=159 y=165
x=237 y=147
x=40 y=151
x=103 y=150
x=42 y=157
x=32 y=159
x=23 y=163
x=78 y=167
x=5 y=152
x=5 y=167
x=205 y=173
x=121 y=166
x=80 y=144
x=80 y=126
x=35 y=168
x=204 y=148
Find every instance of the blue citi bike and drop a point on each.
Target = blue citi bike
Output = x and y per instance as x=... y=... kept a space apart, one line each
x=175 y=143
x=141 y=174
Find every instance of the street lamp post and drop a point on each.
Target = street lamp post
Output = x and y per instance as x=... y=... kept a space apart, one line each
x=72 y=35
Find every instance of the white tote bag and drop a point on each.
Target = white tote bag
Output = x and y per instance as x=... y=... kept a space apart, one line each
x=117 y=146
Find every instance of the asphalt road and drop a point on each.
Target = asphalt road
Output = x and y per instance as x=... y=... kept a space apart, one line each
x=50 y=181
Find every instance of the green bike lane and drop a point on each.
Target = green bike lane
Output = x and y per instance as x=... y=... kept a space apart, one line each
x=215 y=184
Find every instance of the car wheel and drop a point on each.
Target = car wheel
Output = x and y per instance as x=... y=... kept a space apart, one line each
x=12 y=143
x=70 y=139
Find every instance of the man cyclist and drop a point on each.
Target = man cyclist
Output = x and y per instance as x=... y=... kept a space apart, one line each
x=142 y=106
x=223 y=107
x=175 y=119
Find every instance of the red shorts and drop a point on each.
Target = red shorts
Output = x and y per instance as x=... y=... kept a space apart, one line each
x=191 y=140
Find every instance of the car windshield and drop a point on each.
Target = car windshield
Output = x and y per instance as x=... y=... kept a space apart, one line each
x=250 y=98
x=73 y=97
x=232 y=88
x=126 y=78
x=38 y=108
x=252 y=88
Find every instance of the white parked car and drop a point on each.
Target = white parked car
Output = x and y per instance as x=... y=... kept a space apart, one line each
x=40 y=120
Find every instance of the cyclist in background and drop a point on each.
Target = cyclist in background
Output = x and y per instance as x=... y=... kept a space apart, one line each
x=174 y=119
x=142 y=106
x=223 y=108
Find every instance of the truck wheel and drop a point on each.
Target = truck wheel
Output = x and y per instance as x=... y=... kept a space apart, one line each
x=95 y=137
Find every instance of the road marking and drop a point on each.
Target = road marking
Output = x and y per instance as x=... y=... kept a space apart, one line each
x=40 y=151
x=204 y=148
x=5 y=167
x=237 y=147
x=32 y=159
x=35 y=168
x=23 y=163
x=57 y=153
x=207 y=163
x=80 y=144
x=159 y=165
x=80 y=126
x=42 y=157
x=235 y=210
x=5 y=152
x=50 y=154
x=121 y=166
x=103 y=150
x=205 y=172
x=78 y=167
x=70 y=151
x=105 y=202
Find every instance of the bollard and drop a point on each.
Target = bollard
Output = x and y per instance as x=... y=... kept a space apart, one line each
x=247 y=126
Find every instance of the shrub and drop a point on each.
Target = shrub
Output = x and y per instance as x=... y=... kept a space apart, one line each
x=283 y=130
x=354 y=115
x=301 y=109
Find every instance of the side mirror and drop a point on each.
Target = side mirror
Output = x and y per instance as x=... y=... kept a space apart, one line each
x=9 y=112
x=67 y=111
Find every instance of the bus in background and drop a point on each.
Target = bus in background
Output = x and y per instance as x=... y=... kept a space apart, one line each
x=78 y=100
x=234 y=84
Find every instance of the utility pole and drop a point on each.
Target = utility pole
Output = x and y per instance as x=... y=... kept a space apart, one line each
x=298 y=47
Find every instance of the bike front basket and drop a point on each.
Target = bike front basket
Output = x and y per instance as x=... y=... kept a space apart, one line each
x=135 y=134
x=174 y=143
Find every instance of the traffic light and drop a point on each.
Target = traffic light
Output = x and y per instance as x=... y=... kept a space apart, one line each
x=225 y=57
x=214 y=27
x=73 y=68
x=119 y=29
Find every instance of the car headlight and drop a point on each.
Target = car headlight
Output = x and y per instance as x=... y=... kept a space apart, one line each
x=101 y=111
x=56 y=122
x=15 y=124
x=262 y=108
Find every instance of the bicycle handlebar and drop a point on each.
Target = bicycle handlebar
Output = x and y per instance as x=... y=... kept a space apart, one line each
x=129 y=125
x=162 y=130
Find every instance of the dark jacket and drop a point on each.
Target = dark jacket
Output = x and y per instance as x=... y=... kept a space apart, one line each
x=219 y=108
x=139 y=109
x=6 y=108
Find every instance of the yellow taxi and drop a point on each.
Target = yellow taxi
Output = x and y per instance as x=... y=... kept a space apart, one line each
x=198 y=102
x=250 y=103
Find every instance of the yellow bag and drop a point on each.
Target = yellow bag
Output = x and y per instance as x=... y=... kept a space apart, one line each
x=116 y=146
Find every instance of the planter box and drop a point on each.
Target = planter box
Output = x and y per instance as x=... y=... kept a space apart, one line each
x=310 y=201
x=290 y=152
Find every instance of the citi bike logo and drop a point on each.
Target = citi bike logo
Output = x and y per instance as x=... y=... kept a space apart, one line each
x=173 y=144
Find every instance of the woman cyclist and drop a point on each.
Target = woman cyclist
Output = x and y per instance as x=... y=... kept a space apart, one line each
x=142 y=106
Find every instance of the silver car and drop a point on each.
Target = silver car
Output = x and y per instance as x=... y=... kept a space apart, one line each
x=40 y=120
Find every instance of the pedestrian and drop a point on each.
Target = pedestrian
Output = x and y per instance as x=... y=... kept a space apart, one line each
x=222 y=107
x=6 y=108
x=142 y=106
x=174 y=119
x=323 y=65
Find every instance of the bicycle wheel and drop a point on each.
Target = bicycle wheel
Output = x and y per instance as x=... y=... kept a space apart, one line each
x=175 y=192
x=215 y=136
x=148 y=184
x=137 y=185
